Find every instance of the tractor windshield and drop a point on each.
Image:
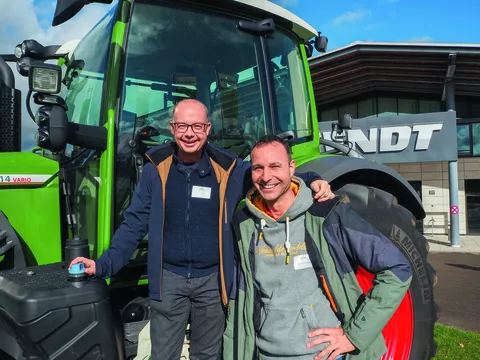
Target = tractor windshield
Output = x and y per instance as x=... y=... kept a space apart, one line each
x=173 y=53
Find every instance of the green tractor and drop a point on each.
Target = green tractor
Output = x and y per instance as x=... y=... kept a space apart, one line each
x=105 y=102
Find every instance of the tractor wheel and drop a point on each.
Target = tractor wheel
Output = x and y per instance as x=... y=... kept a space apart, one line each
x=409 y=334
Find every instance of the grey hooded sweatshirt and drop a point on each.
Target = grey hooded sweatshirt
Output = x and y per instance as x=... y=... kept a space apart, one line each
x=293 y=302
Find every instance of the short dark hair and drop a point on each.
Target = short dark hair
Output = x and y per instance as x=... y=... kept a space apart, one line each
x=271 y=139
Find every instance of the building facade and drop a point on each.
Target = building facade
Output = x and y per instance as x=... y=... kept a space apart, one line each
x=366 y=79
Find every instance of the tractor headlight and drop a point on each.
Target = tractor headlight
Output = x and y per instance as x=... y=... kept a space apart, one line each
x=19 y=50
x=45 y=78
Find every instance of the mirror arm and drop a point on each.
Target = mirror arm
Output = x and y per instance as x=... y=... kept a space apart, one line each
x=89 y=136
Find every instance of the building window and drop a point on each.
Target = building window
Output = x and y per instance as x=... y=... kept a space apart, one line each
x=407 y=106
x=350 y=109
x=329 y=114
x=463 y=140
x=476 y=139
x=387 y=106
x=391 y=106
x=467 y=109
x=367 y=108
x=468 y=139
x=429 y=106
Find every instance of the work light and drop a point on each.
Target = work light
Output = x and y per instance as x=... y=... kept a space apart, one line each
x=30 y=48
x=45 y=78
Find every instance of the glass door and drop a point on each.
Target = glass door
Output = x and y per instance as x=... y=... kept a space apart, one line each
x=472 y=194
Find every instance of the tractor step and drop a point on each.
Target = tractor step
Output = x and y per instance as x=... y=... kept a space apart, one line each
x=132 y=330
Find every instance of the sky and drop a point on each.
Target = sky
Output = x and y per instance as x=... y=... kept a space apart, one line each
x=342 y=21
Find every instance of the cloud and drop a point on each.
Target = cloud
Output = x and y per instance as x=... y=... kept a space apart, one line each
x=350 y=17
x=29 y=19
x=421 y=39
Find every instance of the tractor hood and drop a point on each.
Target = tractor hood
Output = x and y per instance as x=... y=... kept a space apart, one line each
x=26 y=169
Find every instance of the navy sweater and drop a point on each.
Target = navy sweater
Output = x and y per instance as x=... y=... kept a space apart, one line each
x=190 y=234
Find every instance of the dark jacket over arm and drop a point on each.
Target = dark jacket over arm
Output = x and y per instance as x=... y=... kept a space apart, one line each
x=132 y=230
x=365 y=246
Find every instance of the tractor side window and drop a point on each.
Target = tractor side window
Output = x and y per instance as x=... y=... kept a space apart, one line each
x=289 y=79
x=85 y=74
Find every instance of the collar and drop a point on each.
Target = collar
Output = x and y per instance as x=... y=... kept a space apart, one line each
x=202 y=166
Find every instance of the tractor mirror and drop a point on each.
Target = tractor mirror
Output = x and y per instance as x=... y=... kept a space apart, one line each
x=66 y=9
x=321 y=43
x=346 y=121
x=52 y=129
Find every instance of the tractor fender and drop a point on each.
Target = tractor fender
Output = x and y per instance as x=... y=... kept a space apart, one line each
x=342 y=170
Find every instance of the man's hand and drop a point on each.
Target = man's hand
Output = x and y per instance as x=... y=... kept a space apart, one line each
x=338 y=343
x=322 y=190
x=89 y=265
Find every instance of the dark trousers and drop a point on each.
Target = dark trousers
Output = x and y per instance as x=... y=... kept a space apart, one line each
x=197 y=299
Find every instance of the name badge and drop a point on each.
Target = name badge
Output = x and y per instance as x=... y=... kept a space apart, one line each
x=201 y=192
x=301 y=262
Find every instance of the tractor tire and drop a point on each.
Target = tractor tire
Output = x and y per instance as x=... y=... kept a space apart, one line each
x=409 y=333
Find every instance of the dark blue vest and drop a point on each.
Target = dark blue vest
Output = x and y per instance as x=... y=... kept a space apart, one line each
x=190 y=246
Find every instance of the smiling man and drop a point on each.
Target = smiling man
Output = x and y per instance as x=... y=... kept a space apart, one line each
x=298 y=297
x=185 y=201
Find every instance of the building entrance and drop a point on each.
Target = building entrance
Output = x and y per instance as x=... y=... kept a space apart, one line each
x=472 y=194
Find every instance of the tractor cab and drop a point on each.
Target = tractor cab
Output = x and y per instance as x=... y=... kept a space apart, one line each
x=246 y=63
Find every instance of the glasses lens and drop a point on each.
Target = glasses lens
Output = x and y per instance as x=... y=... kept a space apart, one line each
x=198 y=127
x=181 y=127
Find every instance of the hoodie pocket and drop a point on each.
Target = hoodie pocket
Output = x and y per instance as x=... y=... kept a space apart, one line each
x=308 y=315
x=284 y=331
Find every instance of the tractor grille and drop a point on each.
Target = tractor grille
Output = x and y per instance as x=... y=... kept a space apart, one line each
x=10 y=120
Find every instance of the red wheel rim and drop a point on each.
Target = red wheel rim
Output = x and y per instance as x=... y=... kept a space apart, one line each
x=398 y=332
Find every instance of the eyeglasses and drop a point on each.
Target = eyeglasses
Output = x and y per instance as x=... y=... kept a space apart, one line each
x=182 y=127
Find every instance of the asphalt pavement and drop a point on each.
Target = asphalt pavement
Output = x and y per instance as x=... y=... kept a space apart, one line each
x=458 y=289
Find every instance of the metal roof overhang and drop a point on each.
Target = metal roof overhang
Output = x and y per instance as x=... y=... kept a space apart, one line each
x=363 y=67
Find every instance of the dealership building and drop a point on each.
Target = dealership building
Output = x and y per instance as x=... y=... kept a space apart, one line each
x=423 y=95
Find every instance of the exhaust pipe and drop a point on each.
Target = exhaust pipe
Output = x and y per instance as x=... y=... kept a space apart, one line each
x=10 y=111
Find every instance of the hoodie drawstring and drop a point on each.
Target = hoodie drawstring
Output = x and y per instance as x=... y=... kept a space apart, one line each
x=287 y=242
x=263 y=222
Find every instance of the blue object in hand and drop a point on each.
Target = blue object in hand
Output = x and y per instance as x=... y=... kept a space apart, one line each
x=77 y=269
